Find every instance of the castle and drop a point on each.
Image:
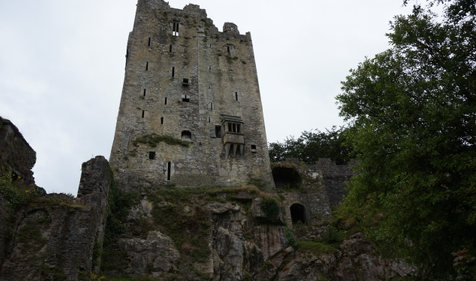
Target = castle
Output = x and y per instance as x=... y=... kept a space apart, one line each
x=190 y=112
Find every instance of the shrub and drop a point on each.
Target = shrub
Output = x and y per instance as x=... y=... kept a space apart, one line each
x=270 y=207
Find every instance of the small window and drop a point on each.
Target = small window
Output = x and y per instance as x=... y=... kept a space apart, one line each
x=144 y=92
x=165 y=102
x=161 y=120
x=218 y=131
x=170 y=49
x=228 y=49
x=173 y=71
x=186 y=136
x=185 y=98
x=210 y=106
x=147 y=66
x=209 y=119
x=175 y=28
x=234 y=128
x=253 y=148
x=151 y=155
x=143 y=113
x=185 y=81
x=148 y=44
x=236 y=96
x=169 y=168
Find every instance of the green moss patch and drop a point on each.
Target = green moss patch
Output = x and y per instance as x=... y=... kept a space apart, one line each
x=153 y=139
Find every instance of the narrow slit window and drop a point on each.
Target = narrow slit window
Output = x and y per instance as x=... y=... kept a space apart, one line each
x=173 y=71
x=185 y=98
x=236 y=96
x=148 y=43
x=165 y=102
x=169 y=167
x=170 y=49
x=151 y=155
x=161 y=120
x=228 y=49
x=143 y=113
x=218 y=131
x=175 y=28
x=209 y=119
x=144 y=92
x=147 y=66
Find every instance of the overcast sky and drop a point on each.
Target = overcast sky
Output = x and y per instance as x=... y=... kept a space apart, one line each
x=62 y=67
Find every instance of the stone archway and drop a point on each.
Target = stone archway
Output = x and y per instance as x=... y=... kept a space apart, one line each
x=298 y=213
x=286 y=178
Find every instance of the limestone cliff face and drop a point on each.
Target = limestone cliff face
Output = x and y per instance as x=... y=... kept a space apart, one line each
x=234 y=239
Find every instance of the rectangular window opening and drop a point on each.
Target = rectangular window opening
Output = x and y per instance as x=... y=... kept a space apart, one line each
x=151 y=155
x=185 y=98
x=143 y=113
x=236 y=96
x=218 y=131
x=175 y=28
x=147 y=66
x=173 y=71
x=170 y=49
x=169 y=166
x=161 y=120
x=238 y=128
x=209 y=119
x=148 y=44
x=185 y=81
x=228 y=49
x=144 y=92
x=165 y=102
x=229 y=127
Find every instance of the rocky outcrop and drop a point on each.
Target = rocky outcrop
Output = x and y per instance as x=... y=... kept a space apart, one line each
x=58 y=237
x=15 y=153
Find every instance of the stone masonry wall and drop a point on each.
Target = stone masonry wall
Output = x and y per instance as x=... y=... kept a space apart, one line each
x=335 y=178
x=56 y=237
x=183 y=78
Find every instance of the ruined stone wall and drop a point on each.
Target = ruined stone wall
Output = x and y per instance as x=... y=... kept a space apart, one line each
x=335 y=178
x=16 y=153
x=184 y=79
x=58 y=237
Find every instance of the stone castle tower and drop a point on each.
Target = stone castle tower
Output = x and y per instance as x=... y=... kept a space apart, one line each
x=190 y=112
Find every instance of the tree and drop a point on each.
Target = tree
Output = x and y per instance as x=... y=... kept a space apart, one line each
x=312 y=145
x=413 y=111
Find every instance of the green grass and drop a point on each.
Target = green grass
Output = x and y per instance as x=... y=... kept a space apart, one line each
x=316 y=247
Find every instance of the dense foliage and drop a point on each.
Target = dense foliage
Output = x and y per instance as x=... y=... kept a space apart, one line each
x=413 y=111
x=312 y=145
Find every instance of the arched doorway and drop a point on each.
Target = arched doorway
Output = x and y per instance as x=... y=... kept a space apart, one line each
x=286 y=178
x=298 y=213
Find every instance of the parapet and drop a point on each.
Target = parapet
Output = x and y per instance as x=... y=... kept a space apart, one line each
x=230 y=27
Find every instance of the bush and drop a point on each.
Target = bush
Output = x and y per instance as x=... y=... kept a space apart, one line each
x=270 y=207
